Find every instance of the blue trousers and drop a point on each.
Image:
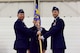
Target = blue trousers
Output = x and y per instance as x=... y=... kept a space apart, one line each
x=21 y=51
x=58 y=50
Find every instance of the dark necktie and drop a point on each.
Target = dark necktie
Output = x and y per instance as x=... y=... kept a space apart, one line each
x=53 y=22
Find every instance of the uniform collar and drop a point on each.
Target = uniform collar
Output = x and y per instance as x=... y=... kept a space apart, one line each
x=34 y=26
x=56 y=18
x=19 y=19
x=37 y=29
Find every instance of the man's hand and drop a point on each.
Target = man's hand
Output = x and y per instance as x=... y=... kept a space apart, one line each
x=41 y=38
x=39 y=33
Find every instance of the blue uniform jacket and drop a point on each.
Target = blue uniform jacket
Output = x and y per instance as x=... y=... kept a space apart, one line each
x=22 y=35
x=56 y=33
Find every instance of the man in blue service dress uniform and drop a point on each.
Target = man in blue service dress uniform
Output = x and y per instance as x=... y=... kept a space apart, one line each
x=22 y=34
x=56 y=33
x=34 y=42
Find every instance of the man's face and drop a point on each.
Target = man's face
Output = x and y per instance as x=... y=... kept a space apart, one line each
x=21 y=16
x=55 y=13
x=36 y=23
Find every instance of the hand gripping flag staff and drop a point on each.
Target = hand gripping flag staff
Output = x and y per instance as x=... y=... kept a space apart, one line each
x=37 y=18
